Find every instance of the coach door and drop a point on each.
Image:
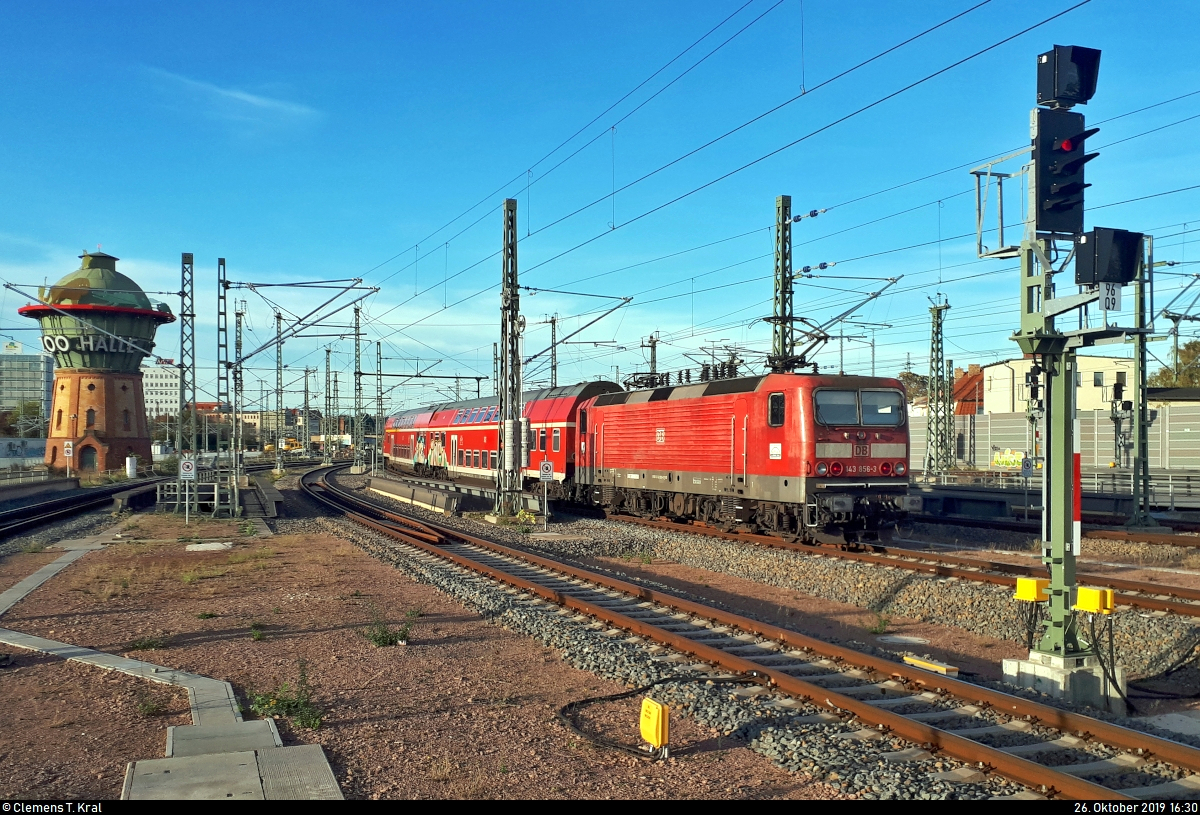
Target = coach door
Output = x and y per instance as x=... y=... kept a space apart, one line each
x=454 y=450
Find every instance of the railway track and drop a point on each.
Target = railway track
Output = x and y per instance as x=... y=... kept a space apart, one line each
x=25 y=517
x=1107 y=533
x=56 y=509
x=1058 y=753
x=1136 y=594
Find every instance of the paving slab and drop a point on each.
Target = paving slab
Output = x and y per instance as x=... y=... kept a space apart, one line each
x=300 y=773
x=194 y=740
x=219 y=777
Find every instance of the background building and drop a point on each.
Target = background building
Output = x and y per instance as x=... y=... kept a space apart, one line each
x=160 y=383
x=25 y=378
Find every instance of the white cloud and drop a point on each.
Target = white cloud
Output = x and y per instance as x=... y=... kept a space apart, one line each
x=231 y=104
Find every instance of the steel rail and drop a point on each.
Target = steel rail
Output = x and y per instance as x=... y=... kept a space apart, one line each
x=979 y=571
x=1018 y=769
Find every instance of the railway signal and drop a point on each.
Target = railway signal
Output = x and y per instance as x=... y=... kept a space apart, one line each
x=1058 y=170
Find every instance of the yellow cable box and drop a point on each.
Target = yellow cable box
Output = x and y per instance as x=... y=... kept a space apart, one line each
x=655 y=722
x=1032 y=589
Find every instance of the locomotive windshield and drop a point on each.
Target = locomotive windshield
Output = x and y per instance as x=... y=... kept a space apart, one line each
x=881 y=408
x=873 y=408
x=836 y=407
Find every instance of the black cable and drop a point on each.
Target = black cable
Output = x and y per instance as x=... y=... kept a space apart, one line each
x=1107 y=666
x=566 y=712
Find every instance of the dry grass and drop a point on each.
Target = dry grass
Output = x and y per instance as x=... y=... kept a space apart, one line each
x=442 y=770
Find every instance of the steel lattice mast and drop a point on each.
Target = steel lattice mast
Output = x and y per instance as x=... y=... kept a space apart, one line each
x=358 y=466
x=327 y=457
x=938 y=431
x=278 y=392
x=238 y=385
x=783 y=338
x=223 y=405
x=185 y=431
x=379 y=434
x=508 y=487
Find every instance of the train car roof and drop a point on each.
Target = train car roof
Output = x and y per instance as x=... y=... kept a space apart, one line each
x=582 y=390
x=740 y=384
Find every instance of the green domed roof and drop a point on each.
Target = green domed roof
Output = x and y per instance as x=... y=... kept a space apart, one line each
x=97 y=283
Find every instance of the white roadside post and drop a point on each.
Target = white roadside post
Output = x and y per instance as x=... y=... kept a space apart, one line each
x=68 y=453
x=545 y=475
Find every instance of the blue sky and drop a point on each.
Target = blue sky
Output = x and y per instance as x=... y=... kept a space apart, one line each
x=307 y=141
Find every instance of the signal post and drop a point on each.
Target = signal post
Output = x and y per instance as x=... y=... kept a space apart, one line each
x=1068 y=660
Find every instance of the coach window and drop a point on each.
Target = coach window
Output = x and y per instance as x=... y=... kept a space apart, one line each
x=477 y=459
x=542 y=439
x=460 y=457
x=556 y=441
x=775 y=410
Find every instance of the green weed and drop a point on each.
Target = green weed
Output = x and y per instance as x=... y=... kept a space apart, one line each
x=147 y=644
x=382 y=635
x=880 y=625
x=206 y=615
x=296 y=704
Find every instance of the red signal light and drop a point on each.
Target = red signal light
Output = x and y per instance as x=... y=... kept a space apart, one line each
x=835 y=468
x=1067 y=145
x=885 y=468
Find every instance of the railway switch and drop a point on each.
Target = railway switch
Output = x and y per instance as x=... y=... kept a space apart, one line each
x=655 y=724
x=1032 y=589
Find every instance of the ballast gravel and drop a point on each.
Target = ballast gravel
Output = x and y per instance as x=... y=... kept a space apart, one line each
x=79 y=526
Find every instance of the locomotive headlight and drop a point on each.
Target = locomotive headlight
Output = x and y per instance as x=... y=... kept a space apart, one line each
x=885 y=468
x=900 y=468
x=835 y=468
x=822 y=468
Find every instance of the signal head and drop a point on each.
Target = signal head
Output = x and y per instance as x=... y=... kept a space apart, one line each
x=1067 y=76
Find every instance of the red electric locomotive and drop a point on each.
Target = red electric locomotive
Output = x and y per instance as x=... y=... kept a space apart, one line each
x=812 y=457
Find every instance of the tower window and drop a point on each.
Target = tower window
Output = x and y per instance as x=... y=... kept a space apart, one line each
x=125 y=415
x=91 y=417
x=58 y=421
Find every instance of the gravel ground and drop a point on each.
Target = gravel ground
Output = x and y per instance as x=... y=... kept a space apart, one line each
x=67 y=730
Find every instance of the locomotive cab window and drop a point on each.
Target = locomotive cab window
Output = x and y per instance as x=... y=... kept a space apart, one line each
x=836 y=407
x=882 y=408
x=775 y=410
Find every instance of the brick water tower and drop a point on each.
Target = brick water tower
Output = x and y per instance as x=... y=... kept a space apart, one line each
x=99 y=325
